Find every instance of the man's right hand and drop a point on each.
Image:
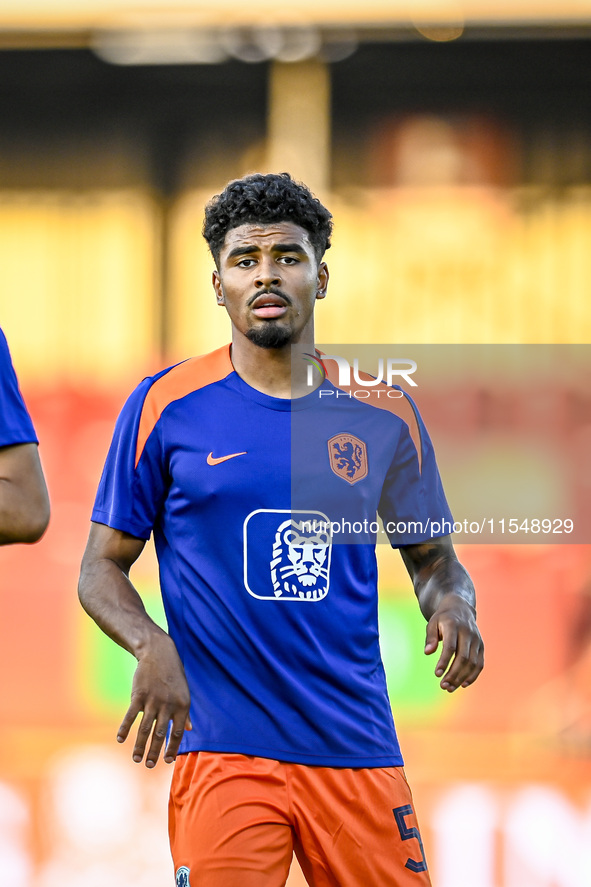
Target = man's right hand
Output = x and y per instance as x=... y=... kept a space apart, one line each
x=160 y=688
x=161 y=692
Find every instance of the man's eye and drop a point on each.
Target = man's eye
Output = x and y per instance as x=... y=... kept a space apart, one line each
x=288 y=260
x=245 y=263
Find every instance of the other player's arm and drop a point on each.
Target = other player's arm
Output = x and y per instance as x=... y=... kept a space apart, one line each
x=160 y=688
x=447 y=600
x=24 y=503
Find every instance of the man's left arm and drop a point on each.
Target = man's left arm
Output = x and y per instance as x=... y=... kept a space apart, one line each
x=24 y=503
x=447 y=600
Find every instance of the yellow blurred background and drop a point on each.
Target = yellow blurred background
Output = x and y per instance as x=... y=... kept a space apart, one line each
x=453 y=146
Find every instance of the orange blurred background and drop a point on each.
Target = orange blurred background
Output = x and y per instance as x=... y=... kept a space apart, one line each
x=457 y=163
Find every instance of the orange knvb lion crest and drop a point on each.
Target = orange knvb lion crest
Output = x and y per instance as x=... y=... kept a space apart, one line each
x=348 y=457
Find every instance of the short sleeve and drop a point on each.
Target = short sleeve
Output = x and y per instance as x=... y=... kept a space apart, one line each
x=413 y=506
x=16 y=426
x=133 y=485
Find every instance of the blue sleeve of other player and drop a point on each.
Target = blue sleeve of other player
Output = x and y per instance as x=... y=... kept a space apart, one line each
x=130 y=495
x=16 y=426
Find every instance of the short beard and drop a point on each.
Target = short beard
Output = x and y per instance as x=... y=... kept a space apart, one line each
x=269 y=335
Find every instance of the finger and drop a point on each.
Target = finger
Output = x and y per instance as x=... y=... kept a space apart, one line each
x=456 y=674
x=464 y=667
x=180 y=723
x=448 y=651
x=158 y=737
x=432 y=636
x=478 y=666
x=127 y=722
x=475 y=661
x=143 y=734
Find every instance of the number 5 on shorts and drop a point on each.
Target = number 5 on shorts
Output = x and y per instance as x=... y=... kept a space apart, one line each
x=406 y=834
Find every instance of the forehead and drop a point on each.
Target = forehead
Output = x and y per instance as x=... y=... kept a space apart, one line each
x=265 y=236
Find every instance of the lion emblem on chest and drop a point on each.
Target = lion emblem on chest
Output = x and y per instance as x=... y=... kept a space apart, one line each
x=300 y=563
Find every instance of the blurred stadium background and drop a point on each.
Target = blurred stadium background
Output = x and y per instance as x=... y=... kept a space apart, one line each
x=453 y=144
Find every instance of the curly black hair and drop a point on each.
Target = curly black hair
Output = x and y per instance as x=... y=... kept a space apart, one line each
x=266 y=198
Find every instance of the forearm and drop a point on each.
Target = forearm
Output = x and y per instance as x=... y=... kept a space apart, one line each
x=447 y=582
x=108 y=596
x=437 y=575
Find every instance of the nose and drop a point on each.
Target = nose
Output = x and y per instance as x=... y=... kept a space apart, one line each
x=267 y=275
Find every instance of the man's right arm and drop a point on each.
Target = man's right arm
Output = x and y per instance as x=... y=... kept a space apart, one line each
x=160 y=688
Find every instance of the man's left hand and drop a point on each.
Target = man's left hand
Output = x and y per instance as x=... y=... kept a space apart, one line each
x=447 y=600
x=462 y=651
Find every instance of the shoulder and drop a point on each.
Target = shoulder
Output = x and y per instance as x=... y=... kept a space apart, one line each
x=154 y=394
x=393 y=404
x=175 y=382
x=181 y=379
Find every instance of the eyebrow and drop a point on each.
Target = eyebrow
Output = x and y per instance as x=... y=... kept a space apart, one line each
x=277 y=247
x=289 y=248
x=242 y=251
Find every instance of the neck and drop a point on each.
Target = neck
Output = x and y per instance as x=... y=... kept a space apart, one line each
x=272 y=371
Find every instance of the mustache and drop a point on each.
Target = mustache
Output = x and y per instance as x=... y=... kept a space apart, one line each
x=270 y=291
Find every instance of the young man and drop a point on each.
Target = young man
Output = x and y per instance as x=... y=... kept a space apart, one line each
x=270 y=681
x=24 y=503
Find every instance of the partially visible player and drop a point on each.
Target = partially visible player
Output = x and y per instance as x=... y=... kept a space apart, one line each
x=270 y=684
x=24 y=502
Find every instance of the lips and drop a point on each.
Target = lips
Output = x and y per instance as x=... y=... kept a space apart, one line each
x=269 y=305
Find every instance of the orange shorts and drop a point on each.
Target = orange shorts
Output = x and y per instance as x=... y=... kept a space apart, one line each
x=236 y=820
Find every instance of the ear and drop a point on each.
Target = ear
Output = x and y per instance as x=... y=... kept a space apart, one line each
x=217 y=286
x=322 y=282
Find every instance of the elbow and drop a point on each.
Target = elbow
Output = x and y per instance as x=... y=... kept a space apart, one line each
x=38 y=516
x=27 y=526
x=36 y=529
x=43 y=516
x=82 y=594
x=33 y=519
x=85 y=583
x=24 y=500
x=34 y=524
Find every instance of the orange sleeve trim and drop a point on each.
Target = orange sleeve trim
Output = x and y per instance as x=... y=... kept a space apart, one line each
x=192 y=374
x=399 y=406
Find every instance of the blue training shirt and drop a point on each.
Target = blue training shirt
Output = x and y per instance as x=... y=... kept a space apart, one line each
x=270 y=590
x=16 y=426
